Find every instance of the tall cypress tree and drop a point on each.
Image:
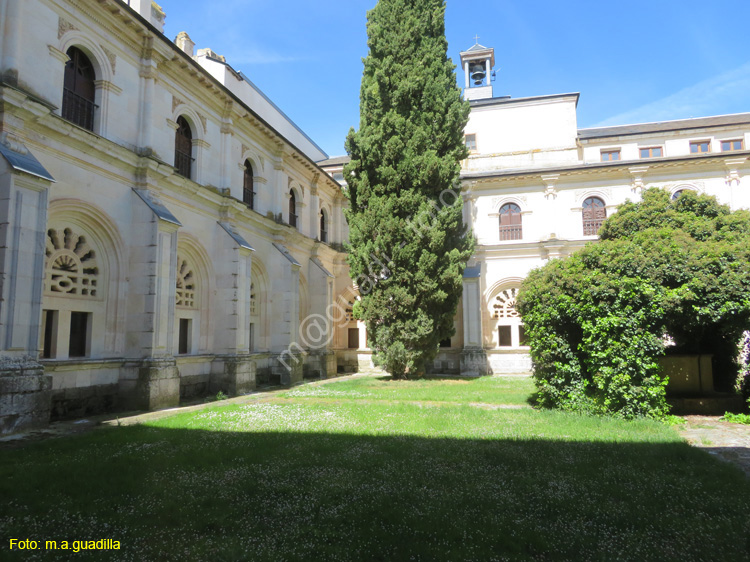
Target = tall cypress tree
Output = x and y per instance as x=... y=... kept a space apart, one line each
x=408 y=245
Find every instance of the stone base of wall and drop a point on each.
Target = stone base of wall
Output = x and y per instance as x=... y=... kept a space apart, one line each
x=353 y=360
x=237 y=376
x=71 y=403
x=194 y=386
x=25 y=395
x=150 y=384
x=445 y=363
x=506 y=362
x=288 y=368
x=474 y=363
x=319 y=365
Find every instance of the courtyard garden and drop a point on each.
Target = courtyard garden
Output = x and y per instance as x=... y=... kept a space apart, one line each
x=366 y=468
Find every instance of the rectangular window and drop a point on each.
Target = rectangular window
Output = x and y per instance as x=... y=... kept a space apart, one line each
x=610 y=155
x=251 y=337
x=471 y=142
x=651 y=152
x=183 y=345
x=353 y=338
x=729 y=145
x=445 y=343
x=49 y=334
x=700 y=147
x=79 y=334
x=522 y=339
x=503 y=336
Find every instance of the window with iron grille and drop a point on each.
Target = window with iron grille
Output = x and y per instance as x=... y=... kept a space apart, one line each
x=594 y=213
x=183 y=148
x=292 y=209
x=323 y=227
x=79 y=90
x=510 y=222
x=248 y=193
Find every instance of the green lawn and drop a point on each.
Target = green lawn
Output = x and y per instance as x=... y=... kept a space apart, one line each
x=366 y=469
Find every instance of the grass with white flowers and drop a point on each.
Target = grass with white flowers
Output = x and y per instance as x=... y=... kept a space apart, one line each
x=369 y=469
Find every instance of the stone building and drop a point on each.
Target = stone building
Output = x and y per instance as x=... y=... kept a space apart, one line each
x=165 y=227
x=537 y=187
x=167 y=232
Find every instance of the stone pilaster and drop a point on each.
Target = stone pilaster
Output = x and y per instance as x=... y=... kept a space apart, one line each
x=473 y=357
x=25 y=391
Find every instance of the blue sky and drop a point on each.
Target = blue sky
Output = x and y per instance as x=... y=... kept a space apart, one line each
x=631 y=62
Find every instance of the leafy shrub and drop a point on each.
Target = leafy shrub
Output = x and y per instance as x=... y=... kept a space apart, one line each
x=736 y=418
x=596 y=320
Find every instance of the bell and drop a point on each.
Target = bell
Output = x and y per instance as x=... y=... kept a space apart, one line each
x=478 y=74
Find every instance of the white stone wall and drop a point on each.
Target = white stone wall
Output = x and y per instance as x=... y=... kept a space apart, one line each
x=103 y=181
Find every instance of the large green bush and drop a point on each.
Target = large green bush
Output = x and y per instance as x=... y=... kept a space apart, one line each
x=597 y=321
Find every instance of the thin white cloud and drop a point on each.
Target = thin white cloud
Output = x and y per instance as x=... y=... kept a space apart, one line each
x=725 y=93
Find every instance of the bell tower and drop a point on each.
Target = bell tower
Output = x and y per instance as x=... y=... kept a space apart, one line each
x=477 y=63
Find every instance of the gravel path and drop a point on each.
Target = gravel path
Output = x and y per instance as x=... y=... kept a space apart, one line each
x=728 y=441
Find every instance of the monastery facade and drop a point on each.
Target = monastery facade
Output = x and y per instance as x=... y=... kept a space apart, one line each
x=167 y=232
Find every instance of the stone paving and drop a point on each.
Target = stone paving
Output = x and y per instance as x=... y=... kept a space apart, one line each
x=727 y=441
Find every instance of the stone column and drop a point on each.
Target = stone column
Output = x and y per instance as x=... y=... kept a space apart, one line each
x=148 y=74
x=314 y=213
x=154 y=381
x=473 y=357
x=286 y=340
x=232 y=266
x=12 y=26
x=25 y=391
x=317 y=330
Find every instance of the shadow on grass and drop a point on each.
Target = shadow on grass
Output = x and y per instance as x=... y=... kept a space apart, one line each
x=178 y=494
x=463 y=378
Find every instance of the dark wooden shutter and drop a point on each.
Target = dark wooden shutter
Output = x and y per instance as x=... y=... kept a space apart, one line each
x=79 y=90
x=183 y=148
x=292 y=209
x=248 y=193
x=594 y=213
x=510 y=222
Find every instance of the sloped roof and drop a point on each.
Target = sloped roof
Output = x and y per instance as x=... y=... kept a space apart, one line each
x=663 y=126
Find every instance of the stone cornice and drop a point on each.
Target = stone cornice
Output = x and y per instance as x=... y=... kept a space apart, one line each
x=620 y=169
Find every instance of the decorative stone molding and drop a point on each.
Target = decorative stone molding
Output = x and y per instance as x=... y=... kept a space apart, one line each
x=637 y=173
x=58 y=54
x=108 y=86
x=550 y=190
x=204 y=122
x=111 y=57
x=63 y=26
x=176 y=102
x=732 y=166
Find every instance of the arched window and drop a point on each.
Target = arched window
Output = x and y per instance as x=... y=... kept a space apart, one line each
x=676 y=195
x=248 y=193
x=186 y=299
x=323 y=226
x=79 y=90
x=510 y=329
x=594 y=213
x=292 y=209
x=71 y=273
x=510 y=222
x=183 y=147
